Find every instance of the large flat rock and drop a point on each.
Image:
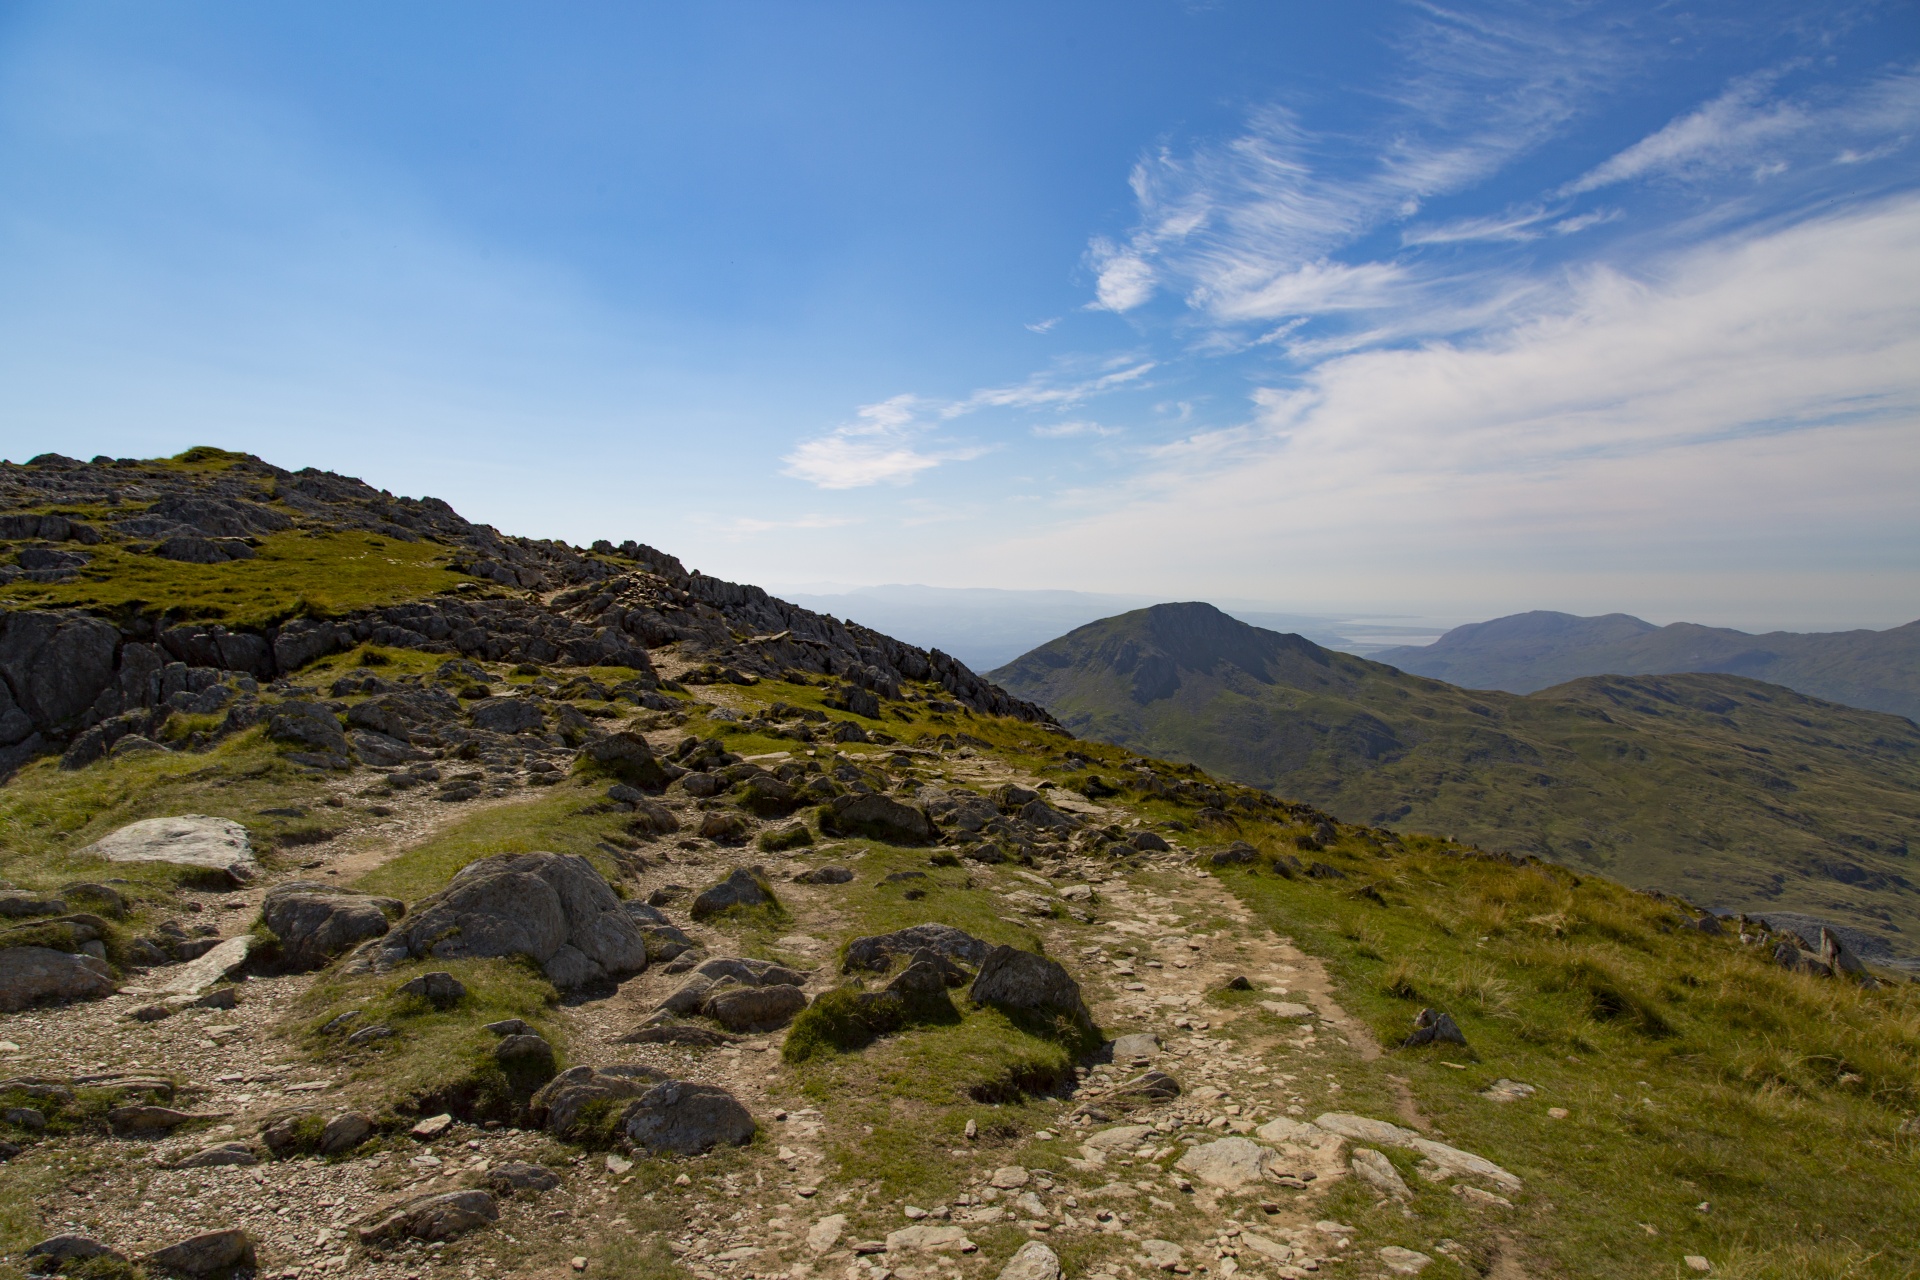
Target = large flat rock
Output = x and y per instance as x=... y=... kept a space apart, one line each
x=189 y=840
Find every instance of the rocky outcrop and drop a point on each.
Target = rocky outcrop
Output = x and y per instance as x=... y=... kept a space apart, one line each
x=553 y=908
x=879 y=817
x=29 y=975
x=877 y=953
x=316 y=922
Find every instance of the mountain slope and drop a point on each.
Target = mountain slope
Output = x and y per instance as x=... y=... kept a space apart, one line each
x=423 y=766
x=1737 y=793
x=1874 y=670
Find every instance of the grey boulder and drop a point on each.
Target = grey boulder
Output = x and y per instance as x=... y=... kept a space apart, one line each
x=878 y=817
x=687 y=1119
x=559 y=1104
x=316 y=922
x=438 y=1216
x=56 y=663
x=877 y=953
x=743 y=887
x=32 y=974
x=554 y=908
x=1025 y=981
x=205 y=1253
x=751 y=1009
x=53 y=1253
x=509 y=715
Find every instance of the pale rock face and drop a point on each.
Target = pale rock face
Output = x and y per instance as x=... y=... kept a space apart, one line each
x=1230 y=1162
x=826 y=1233
x=1378 y=1172
x=188 y=840
x=1033 y=1261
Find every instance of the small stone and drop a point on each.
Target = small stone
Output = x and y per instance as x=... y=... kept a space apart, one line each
x=1557 y=1113
x=1697 y=1263
x=1505 y=1090
x=914 y=1212
x=617 y=1166
x=441 y=990
x=1404 y=1262
x=432 y=1127
x=972 y=1130
x=1431 y=1026
x=344 y=1132
x=367 y=1035
x=1010 y=1177
x=578 y=1263
x=510 y=1027
x=683 y=1181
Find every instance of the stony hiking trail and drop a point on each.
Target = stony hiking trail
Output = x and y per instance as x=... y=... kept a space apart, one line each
x=1147 y=946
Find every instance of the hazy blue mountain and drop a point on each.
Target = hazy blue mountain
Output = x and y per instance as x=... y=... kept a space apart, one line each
x=1877 y=670
x=1738 y=793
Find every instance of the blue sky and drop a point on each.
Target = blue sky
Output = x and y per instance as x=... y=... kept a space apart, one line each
x=1444 y=310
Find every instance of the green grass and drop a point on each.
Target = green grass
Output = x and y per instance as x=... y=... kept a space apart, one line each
x=553 y=823
x=1693 y=1070
x=437 y=1060
x=47 y=814
x=295 y=574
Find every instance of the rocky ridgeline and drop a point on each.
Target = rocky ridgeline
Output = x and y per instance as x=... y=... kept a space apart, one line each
x=63 y=672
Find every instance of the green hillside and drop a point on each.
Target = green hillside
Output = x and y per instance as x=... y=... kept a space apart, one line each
x=1739 y=794
x=1876 y=670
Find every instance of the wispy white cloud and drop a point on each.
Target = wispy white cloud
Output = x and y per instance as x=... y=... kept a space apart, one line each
x=1744 y=127
x=1044 y=326
x=1065 y=430
x=881 y=446
x=1248 y=229
x=1758 y=392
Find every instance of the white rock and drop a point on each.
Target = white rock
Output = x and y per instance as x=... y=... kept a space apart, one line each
x=1378 y=1172
x=1458 y=1163
x=826 y=1233
x=1009 y=1177
x=926 y=1238
x=1230 y=1162
x=1450 y=1161
x=1362 y=1129
x=1033 y=1261
x=1404 y=1262
x=1121 y=1138
x=1697 y=1263
x=1268 y=1248
x=1286 y=1009
x=189 y=840
x=197 y=975
x=1282 y=1129
x=1164 y=1254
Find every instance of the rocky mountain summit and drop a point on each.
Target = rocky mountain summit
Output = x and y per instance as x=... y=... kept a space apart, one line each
x=621 y=922
x=66 y=672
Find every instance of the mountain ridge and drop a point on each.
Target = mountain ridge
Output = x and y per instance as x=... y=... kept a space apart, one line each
x=1526 y=652
x=1738 y=793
